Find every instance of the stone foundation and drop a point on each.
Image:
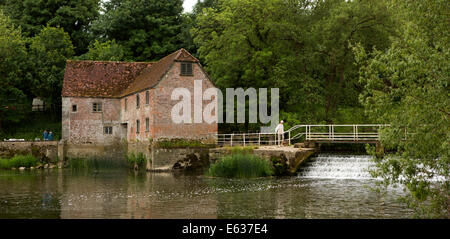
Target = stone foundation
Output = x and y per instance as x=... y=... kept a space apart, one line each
x=46 y=151
x=179 y=158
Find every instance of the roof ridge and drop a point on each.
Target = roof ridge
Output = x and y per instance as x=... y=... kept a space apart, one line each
x=152 y=75
x=130 y=62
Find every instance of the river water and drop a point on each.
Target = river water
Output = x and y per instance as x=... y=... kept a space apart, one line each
x=329 y=186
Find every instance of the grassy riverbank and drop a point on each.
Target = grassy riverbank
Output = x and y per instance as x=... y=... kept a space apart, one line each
x=18 y=161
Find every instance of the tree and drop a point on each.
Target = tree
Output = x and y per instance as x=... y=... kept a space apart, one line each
x=408 y=87
x=74 y=16
x=147 y=29
x=104 y=51
x=301 y=47
x=48 y=52
x=189 y=21
x=13 y=75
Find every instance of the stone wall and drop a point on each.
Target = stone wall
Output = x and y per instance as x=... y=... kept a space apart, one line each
x=163 y=127
x=159 y=108
x=84 y=126
x=141 y=147
x=115 y=151
x=45 y=150
x=179 y=158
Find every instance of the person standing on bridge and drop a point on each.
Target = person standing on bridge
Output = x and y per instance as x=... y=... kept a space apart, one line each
x=279 y=132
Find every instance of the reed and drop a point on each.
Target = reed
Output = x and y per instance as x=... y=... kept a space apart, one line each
x=136 y=159
x=94 y=164
x=19 y=161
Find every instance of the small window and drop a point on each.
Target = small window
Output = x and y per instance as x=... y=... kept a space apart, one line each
x=137 y=101
x=125 y=104
x=74 y=108
x=138 y=125
x=147 y=124
x=107 y=129
x=186 y=69
x=147 y=97
x=97 y=107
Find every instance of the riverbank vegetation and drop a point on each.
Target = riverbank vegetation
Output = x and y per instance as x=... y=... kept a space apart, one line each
x=181 y=143
x=407 y=85
x=240 y=149
x=96 y=164
x=18 y=161
x=333 y=61
x=136 y=160
x=241 y=165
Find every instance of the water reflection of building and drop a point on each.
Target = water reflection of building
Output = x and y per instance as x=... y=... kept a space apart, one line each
x=167 y=195
x=141 y=195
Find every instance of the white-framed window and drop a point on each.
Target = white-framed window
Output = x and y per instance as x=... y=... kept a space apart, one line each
x=97 y=107
x=108 y=130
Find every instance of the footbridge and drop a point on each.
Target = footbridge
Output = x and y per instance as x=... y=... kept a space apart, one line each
x=326 y=133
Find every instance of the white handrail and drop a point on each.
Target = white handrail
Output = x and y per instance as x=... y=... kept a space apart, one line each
x=329 y=135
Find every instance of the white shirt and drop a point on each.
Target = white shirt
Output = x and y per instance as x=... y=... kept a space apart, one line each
x=279 y=129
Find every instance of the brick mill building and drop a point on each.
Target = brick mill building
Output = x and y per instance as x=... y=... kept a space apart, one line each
x=105 y=102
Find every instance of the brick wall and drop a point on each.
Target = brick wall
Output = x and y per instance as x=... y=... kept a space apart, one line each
x=163 y=127
x=87 y=127
x=159 y=109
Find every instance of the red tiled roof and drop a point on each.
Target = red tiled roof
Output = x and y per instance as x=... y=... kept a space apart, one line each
x=99 y=78
x=151 y=76
x=116 y=79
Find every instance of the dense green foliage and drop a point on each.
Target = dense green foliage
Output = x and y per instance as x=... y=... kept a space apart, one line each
x=33 y=126
x=48 y=53
x=13 y=75
x=334 y=61
x=18 y=161
x=301 y=47
x=147 y=29
x=74 y=16
x=136 y=160
x=407 y=86
x=104 y=51
x=241 y=165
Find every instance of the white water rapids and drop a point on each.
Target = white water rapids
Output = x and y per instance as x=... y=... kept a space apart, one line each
x=338 y=167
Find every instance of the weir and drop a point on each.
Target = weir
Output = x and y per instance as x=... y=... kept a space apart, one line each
x=332 y=166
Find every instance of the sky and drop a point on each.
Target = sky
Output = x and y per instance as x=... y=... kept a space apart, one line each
x=188 y=5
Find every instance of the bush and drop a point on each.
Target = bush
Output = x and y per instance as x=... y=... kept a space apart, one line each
x=136 y=159
x=241 y=166
x=19 y=161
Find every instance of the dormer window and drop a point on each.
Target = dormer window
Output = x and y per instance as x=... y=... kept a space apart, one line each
x=186 y=69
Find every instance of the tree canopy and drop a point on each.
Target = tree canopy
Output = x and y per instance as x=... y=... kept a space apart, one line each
x=147 y=29
x=74 y=16
x=407 y=86
x=301 y=47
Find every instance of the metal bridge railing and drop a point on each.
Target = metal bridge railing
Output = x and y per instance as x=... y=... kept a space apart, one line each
x=330 y=133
